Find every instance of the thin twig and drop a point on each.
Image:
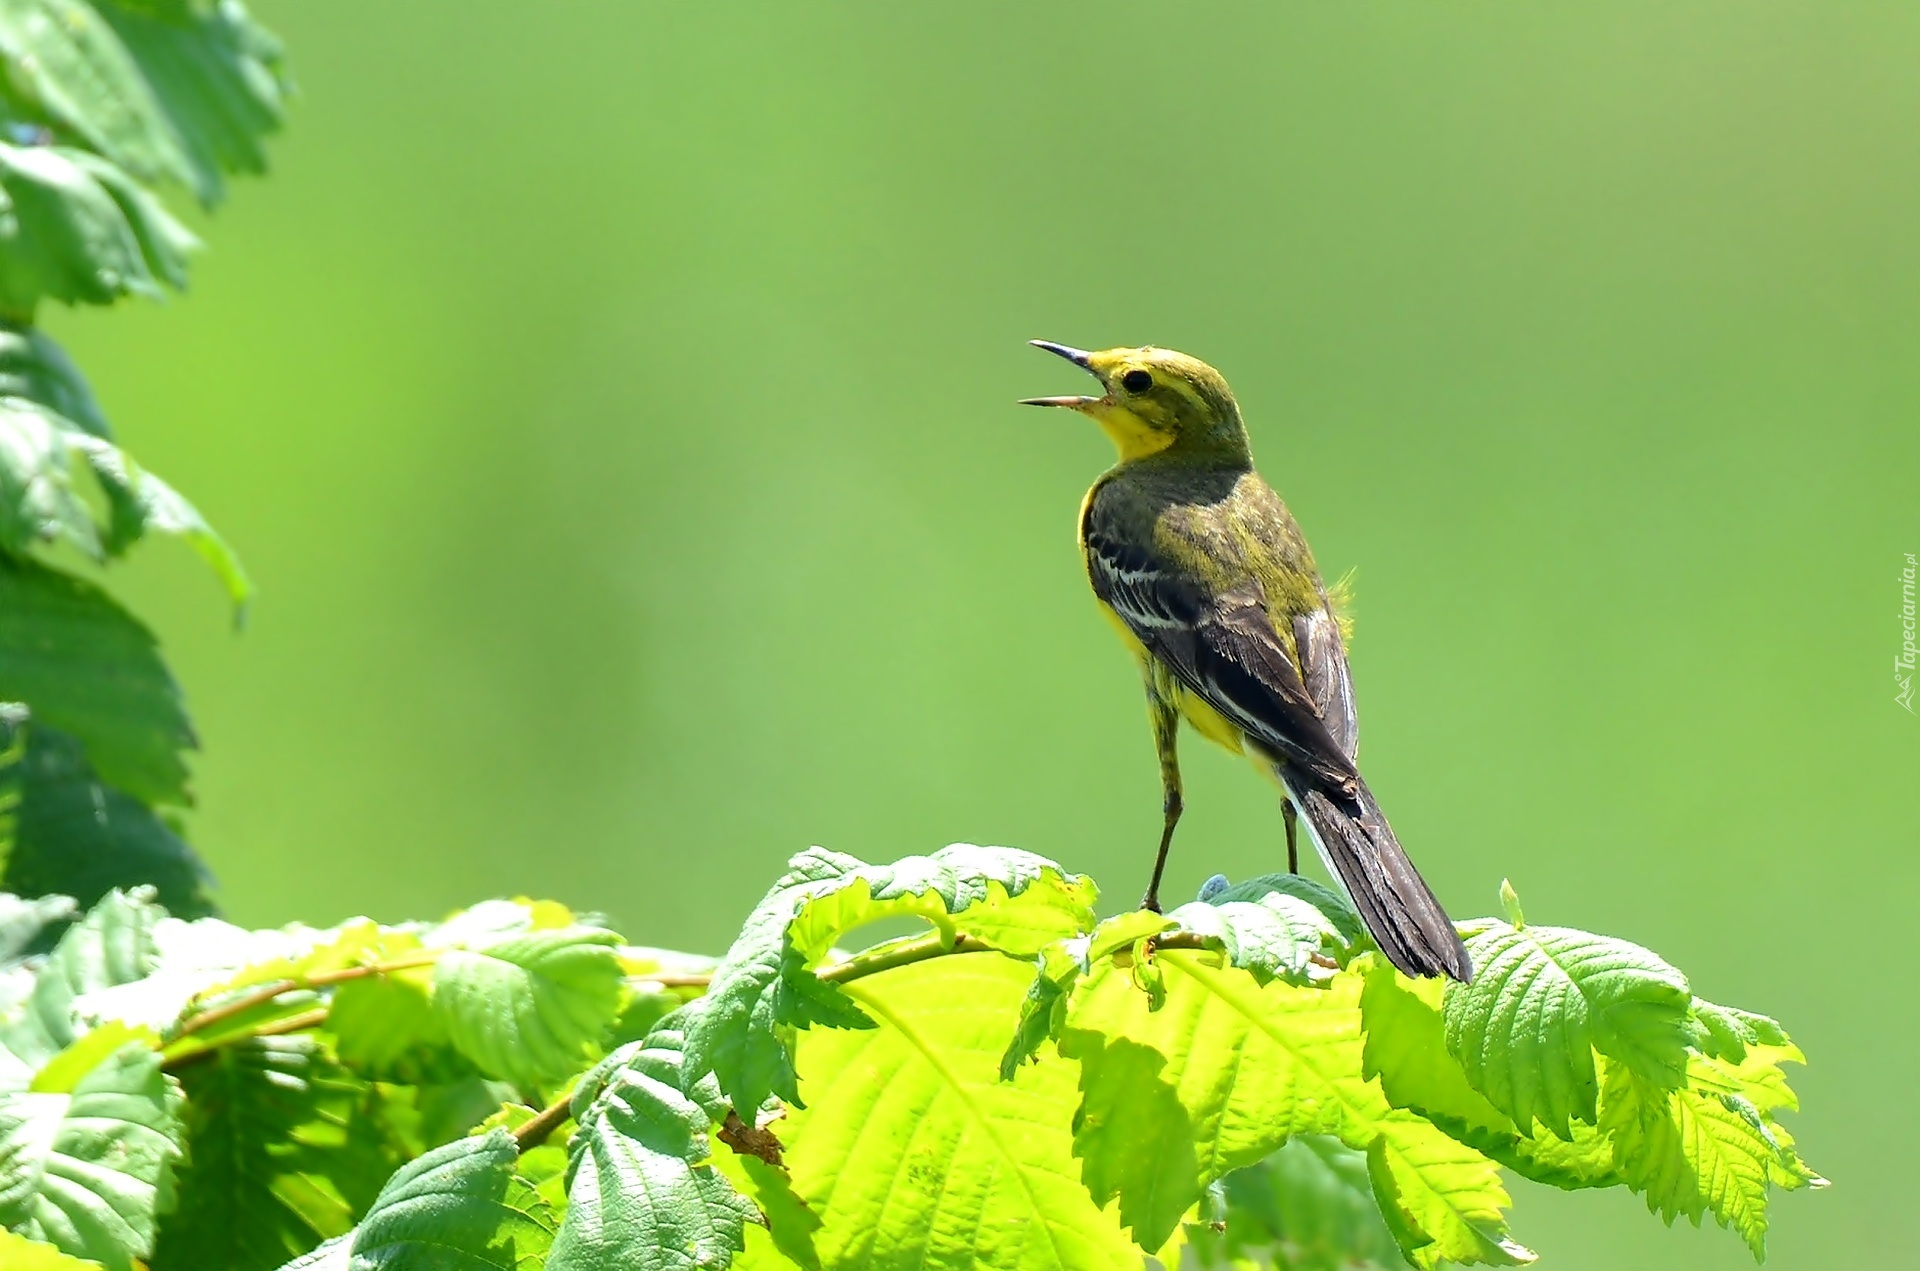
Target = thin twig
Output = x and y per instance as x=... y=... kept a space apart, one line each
x=534 y=1132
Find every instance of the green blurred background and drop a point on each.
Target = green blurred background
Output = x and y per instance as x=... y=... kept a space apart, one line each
x=614 y=403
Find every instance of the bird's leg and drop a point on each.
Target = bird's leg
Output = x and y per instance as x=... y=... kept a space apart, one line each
x=1165 y=716
x=1292 y=818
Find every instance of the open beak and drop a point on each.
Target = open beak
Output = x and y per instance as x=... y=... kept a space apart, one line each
x=1080 y=358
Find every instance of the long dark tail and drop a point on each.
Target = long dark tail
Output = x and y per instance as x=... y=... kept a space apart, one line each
x=1394 y=901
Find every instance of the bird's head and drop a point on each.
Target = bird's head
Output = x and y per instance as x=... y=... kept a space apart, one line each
x=1156 y=400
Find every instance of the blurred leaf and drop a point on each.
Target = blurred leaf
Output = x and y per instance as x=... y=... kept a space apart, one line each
x=81 y=838
x=531 y=1009
x=75 y=228
x=1307 y=1207
x=1332 y=906
x=281 y=1156
x=22 y=920
x=85 y=666
x=17 y=1253
x=457 y=1208
x=218 y=75
x=112 y=945
x=48 y=422
x=91 y=1171
x=641 y=1190
x=912 y=1151
x=69 y=66
x=1225 y=1072
x=1012 y=900
x=1543 y=999
x=1727 y=1031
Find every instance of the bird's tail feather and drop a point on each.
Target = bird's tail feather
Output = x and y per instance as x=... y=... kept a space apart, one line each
x=1394 y=901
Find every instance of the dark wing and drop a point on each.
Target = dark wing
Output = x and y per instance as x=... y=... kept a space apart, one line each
x=1317 y=636
x=1223 y=647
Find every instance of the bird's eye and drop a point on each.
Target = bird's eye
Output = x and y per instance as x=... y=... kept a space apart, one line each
x=1136 y=381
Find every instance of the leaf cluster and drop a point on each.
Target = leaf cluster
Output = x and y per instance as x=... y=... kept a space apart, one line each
x=1241 y=1082
x=105 y=106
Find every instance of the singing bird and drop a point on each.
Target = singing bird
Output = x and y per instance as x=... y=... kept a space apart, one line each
x=1211 y=585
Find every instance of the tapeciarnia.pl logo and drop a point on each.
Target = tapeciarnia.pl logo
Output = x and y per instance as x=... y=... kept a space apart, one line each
x=1903 y=661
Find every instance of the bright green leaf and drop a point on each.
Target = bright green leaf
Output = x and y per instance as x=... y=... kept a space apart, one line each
x=1011 y=900
x=17 y=1253
x=85 y=666
x=531 y=1009
x=1543 y=999
x=912 y=1152
x=1225 y=1072
x=642 y=1191
x=91 y=1171
x=459 y=1207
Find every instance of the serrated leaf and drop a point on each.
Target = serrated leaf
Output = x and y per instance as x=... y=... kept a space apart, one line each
x=1692 y=1152
x=1308 y=1207
x=1273 y=934
x=220 y=78
x=1225 y=1071
x=1543 y=1000
x=66 y=62
x=75 y=228
x=86 y=667
x=1333 y=906
x=1001 y=897
x=77 y=836
x=1406 y=1050
x=533 y=1008
x=284 y=1152
x=91 y=1171
x=642 y=1191
x=112 y=945
x=1727 y=1031
x=386 y=1022
x=48 y=421
x=17 y=1253
x=457 y=1208
x=913 y=1153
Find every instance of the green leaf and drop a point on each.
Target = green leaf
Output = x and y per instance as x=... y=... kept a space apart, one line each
x=48 y=421
x=67 y=63
x=459 y=1207
x=17 y=1253
x=284 y=1149
x=75 y=228
x=90 y=1171
x=112 y=945
x=220 y=78
x=386 y=1024
x=85 y=666
x=1274 y=935
x=82 y=838
x=1543 y=999
x=22 y=920
x=1710 y=1146
x=531 y=1009
x=1332 y=906
x=1010 y=900
x=642 y=1191
x=1406 y=1049
x=912 y=1152
x=1727 y=1031
x=1225 y=1071
x=1308 y=1207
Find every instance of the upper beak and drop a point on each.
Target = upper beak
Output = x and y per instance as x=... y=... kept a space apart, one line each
x=1079 y=357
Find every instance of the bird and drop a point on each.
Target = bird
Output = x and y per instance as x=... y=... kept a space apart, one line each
x=1211 y=585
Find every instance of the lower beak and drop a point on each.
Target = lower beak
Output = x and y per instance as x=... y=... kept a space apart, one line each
x=1080 y=358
